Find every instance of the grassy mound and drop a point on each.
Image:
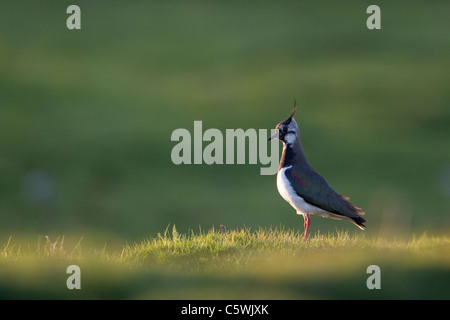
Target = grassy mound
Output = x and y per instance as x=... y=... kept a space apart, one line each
x=235 y=264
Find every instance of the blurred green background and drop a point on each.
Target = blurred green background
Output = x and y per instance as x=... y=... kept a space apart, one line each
x=86 y=116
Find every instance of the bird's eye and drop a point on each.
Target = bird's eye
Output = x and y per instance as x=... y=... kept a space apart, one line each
x=284 y=129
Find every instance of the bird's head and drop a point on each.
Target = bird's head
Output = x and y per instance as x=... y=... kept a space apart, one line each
x=287 y=131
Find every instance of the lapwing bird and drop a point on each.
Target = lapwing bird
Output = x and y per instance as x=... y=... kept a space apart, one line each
x=303 y=187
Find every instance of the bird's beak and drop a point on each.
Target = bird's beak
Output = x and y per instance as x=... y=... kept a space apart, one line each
x=275 y=136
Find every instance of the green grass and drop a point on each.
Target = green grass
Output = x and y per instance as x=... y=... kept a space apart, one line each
x=232 y=264
x=94 y=110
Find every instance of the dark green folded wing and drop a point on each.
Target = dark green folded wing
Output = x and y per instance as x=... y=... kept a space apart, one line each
x=310 y=185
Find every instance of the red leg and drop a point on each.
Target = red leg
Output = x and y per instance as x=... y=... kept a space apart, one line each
x=306 y=225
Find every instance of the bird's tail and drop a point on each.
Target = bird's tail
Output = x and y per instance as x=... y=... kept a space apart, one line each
x=358 y=221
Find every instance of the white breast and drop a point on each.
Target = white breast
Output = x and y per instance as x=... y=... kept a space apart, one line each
x=288 y=193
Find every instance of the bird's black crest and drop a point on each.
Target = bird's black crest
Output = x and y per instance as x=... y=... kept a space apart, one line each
x=294 y=109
